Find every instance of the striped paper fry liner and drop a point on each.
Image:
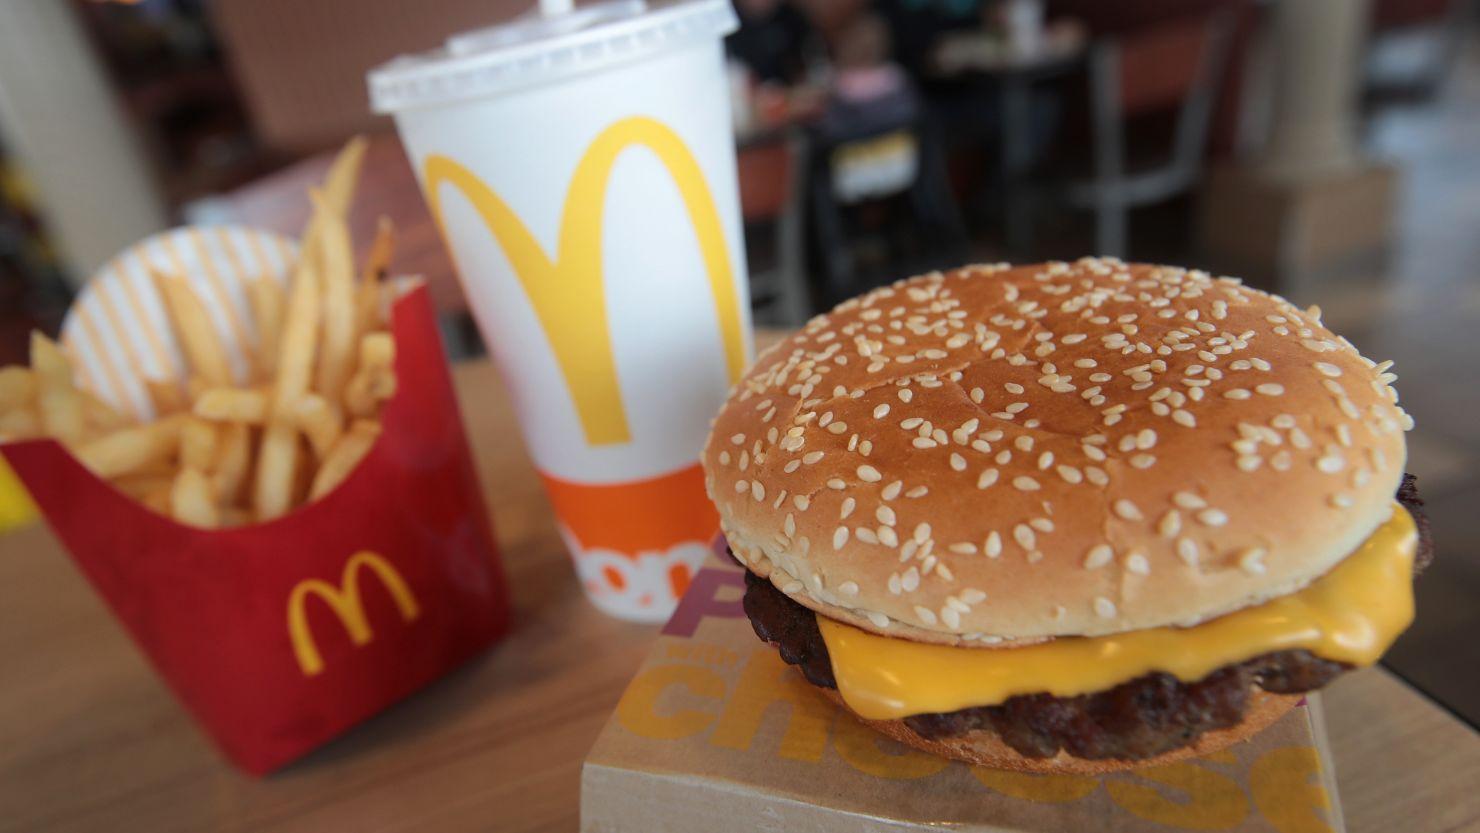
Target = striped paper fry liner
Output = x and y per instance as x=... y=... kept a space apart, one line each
x=118 y=332
x=277 y=636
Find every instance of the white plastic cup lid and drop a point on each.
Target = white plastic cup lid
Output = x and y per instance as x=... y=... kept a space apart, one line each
x=538 y=49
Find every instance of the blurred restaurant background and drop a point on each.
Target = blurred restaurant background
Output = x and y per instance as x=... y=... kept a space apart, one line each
x=1324 y=149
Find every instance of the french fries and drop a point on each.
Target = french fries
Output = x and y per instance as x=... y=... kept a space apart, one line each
x=219 y=452
x=265 y=297
x=191 y=501
x=132 y=449
x=342 y=459
x=58 y=404
x=197 y=338
x=243 y=405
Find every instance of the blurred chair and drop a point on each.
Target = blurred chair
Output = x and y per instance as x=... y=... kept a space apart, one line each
x=896 y=170
x=1170 y=65
x=772 y=175
x=1411 y=46
x=302 y=64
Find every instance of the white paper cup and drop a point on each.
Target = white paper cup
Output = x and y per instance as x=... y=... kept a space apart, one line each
x=582 y=169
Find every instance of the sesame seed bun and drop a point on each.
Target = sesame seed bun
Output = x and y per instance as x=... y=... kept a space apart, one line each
x=1013 y=454
x=985 y=747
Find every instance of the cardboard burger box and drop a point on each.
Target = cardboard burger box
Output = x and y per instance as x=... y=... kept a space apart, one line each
x=716 y=733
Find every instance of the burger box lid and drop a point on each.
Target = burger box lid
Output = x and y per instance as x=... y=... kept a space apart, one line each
x=715 y=733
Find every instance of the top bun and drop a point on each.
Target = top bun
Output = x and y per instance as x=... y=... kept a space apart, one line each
x=1061 y=449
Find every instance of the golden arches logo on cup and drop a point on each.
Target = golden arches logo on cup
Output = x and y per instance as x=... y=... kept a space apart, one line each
x=637 y=534
x=346 y=604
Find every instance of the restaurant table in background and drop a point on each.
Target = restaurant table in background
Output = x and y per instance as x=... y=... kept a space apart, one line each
x=91 y=740
x=1009 y=74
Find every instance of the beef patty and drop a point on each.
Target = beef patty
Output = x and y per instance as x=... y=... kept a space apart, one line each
x=1138 y=719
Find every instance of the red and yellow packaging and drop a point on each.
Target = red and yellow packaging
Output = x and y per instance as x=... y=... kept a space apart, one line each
x=279 y=636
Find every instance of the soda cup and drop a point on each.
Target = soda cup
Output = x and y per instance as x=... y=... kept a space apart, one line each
x=581 y=166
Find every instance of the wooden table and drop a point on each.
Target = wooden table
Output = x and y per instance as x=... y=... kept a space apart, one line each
x=279 y=202
x=90 y=739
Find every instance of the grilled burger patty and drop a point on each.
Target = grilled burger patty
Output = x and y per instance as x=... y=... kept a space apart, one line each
x=1141 y=718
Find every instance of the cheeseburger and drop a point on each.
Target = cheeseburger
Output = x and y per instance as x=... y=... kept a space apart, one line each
x=1069 y=517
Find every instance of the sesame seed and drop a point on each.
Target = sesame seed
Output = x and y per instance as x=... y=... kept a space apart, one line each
x=905 y=394
x=1188 y=500
x=1013 y=387
x=869 y=474
x=738 y=439
x=963 y=548
x=791 y=587
x=1098 y=556
x=792 y=466
x=992 y=547
x=1184 y=418
x=1143 y=461
x=972 y=596
x=790 y=525
x=801 y=502
x=878 y=619
x=892 y=490
x=1137 y=563
x=885 y=515
x=811 y=457
x=848 y=588
x=923 y=442
x=1331 y=463
x=1212 y=517
x=865 y=535
x=742 y=486
x=1341 y=500
x=958 y=462
x=881 y=411
x=918 y=491
x=1170 y=524
x=1251 y=561
x=840 y=537
x=847 y=508
x=1328 y=369
x=887 y=536
x=1187 y=551
x=922 y=533
x=1024 y=536
x=1025 y=483
x=1127 y=510
x=836 y=483
x=894 y=584
x=925 y=615
x=1249 y=462
x=1104 y=607
x=1270 y=389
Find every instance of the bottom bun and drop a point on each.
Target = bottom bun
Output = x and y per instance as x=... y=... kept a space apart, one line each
x=984 y=747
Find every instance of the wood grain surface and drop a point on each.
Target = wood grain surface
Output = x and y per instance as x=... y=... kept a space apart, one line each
x=90 y=740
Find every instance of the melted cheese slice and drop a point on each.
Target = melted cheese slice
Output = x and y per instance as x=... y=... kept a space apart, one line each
x=1351 y=615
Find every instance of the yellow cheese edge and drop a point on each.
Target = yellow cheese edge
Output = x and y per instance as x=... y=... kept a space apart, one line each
x=1351 y=614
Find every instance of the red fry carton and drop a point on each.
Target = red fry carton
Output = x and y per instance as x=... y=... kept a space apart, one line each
x=280 y=636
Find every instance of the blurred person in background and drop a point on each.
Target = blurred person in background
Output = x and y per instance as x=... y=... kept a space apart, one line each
x=773 y=41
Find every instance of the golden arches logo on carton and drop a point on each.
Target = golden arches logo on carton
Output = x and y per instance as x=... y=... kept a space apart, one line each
x=346 y=603
x=568 y=292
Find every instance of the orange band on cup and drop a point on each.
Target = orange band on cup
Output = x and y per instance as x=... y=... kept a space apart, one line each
x=637 y=516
